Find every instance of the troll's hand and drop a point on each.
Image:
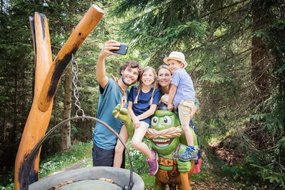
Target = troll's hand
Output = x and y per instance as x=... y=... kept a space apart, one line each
x=123 y=115
x=183 y=166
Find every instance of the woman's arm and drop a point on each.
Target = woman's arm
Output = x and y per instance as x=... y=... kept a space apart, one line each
x=148 y=113
x=164 y=99
x=172 y=92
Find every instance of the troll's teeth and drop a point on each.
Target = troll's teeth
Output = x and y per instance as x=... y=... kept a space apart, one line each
x=161 y=140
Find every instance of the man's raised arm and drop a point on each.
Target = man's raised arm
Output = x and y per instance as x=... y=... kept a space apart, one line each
x=100 y=66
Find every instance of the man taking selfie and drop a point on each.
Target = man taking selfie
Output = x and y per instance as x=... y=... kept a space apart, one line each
x=111 y=93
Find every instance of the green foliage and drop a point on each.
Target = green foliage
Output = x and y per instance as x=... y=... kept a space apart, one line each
x=8 y=187
x=213 y=130
x=138 y=160
x=241 y=173
x=148 y=180
x=281 y=143
x=153 y=25
x=267 y=173
x=216 y=37
x=9 y=183
x=61 y=160
x=270 y=114
x=16 y=74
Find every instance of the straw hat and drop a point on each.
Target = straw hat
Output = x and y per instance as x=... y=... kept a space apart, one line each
x=176 y=55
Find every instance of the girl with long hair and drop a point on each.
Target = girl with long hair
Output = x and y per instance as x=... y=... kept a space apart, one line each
x=142 y=103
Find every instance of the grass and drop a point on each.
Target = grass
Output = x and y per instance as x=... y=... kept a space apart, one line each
x=148 y=180
x=64 y=159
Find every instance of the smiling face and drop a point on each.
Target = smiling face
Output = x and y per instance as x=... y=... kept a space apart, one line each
x=164 y=77
x=173 y=65
x=130 y=75
x=160 y=121
x=148 y=76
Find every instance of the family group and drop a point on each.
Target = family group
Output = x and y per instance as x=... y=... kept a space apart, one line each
x=169 y=87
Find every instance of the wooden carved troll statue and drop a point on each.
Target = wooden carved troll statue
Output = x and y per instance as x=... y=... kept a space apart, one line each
x=168 y=141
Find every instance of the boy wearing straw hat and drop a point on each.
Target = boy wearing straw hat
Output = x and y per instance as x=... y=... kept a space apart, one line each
x=182 y=96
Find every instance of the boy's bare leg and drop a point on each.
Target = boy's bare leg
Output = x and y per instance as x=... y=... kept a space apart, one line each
x=184 y=113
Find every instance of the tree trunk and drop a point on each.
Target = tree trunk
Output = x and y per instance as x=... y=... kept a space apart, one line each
x=259 y=57
x=84 y=130
x=66 y=129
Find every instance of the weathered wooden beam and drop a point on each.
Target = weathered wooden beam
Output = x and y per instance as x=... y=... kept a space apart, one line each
x=47 y=76
x=85 y=26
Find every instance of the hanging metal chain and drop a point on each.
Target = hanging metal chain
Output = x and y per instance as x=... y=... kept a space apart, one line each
x=79 y=111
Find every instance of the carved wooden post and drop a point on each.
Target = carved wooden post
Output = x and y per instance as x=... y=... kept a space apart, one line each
x=47 y=77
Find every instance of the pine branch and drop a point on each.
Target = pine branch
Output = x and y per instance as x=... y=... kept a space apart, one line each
x=222 y=8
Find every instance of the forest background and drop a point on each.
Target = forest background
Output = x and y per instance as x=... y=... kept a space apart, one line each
x=236 y=55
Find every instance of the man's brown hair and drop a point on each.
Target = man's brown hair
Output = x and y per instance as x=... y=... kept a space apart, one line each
x=132 y=64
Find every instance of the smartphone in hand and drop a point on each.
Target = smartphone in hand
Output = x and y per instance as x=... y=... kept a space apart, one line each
x=123 y=49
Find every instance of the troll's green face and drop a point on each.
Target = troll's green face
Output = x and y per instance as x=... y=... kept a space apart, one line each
x=165 y=143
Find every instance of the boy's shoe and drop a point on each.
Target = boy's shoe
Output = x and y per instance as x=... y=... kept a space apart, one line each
x=153 y=164
x=191 y=153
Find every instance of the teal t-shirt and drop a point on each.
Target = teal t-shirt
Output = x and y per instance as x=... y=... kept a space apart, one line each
x=109 y=98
